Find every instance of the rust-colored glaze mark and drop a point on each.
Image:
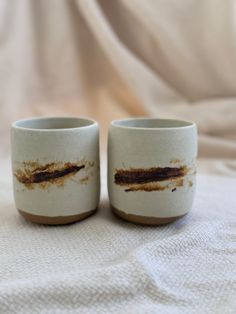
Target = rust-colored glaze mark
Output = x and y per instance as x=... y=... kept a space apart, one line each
x=149 y=179
x=45 y=174
x=179 y=182
x=138 y=176
x=147 y=187
x=32 y=173
x=175 y=161
x=84 y=180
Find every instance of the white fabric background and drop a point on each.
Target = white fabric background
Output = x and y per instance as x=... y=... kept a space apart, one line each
x=113 y=59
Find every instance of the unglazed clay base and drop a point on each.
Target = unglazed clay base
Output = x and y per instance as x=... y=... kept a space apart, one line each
x=59 y=220
x=142 y=220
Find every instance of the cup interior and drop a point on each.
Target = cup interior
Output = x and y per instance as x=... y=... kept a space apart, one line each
x=54 y=123
x=149 y=123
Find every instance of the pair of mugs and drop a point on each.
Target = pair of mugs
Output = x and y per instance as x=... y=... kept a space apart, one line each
x=56 y=173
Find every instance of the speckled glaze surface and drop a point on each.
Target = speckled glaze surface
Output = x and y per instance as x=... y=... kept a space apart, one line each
x=55 y=165
x=152 y=169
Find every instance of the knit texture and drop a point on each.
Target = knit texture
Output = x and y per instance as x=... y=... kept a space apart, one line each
x=106 y=265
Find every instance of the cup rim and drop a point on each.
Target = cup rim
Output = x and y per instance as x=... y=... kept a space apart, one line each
x=185 y=124
x=91 y=123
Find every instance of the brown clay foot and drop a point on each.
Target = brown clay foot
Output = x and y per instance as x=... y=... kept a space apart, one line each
x=58 y=220
x=142 y=220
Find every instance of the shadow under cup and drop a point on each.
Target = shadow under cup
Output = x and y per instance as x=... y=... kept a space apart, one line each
x=151 y=169
x=55 y=164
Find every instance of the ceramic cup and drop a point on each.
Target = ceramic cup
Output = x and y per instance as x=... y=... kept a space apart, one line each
x=151 y=169
x=55 y=163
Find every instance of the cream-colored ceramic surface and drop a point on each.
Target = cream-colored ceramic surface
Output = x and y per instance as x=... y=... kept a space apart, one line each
x=148 y=143
x=63 y=141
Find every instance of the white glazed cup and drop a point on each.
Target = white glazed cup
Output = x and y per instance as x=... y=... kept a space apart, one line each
x=151 y=169
x=55 y=164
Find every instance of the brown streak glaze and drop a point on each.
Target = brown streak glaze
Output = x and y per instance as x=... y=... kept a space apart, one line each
x=43 y=176
x=33 y=173
x=147 y=187
x=155 y=174
x=148 y=179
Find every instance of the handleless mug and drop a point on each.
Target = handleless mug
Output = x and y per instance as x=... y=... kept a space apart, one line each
x=151 y=169
x=55 y=164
